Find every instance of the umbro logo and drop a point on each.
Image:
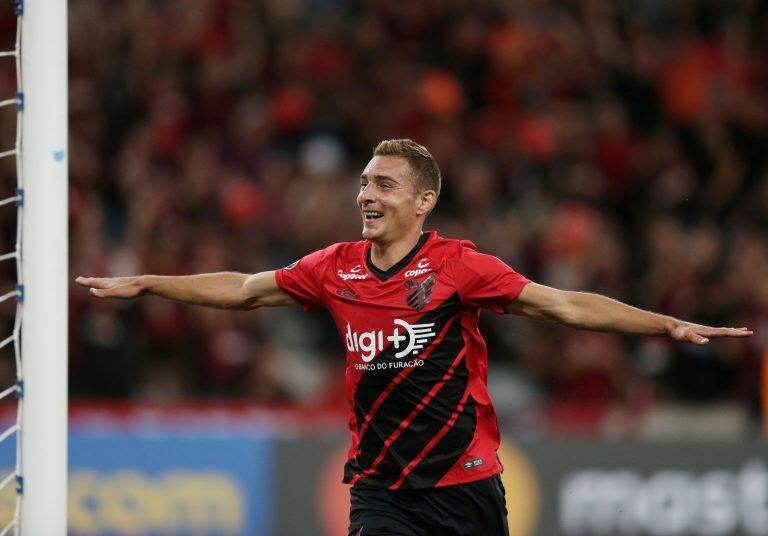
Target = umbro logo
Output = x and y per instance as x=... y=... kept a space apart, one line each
x=346 y=294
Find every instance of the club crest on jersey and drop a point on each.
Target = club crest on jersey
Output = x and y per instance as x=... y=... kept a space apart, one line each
x=410 y=341
x=420 y=292
x=354 y=273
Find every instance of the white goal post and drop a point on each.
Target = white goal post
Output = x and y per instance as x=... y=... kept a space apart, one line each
x=44 y=160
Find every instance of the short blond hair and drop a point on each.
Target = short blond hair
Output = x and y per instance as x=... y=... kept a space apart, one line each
x=426 y=173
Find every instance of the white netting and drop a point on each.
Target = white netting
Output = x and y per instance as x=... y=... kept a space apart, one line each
x=18 y=293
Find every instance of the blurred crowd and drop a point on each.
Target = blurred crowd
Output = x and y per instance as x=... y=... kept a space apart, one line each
x=616 y=147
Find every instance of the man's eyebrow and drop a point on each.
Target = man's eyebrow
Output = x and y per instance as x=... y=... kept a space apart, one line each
x=380 y=176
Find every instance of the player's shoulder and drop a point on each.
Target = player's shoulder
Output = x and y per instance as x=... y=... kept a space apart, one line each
x=460 y=256
x=341 y=251
x=451 y=248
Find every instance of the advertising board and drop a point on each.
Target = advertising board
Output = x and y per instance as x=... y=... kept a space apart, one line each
x=170 y=482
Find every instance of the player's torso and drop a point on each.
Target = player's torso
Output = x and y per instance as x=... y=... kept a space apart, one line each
x=409 y=378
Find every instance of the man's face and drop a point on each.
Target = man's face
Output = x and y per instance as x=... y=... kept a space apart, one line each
x=388 y=202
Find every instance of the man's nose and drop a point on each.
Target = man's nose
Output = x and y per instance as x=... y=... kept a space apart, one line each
x=365 y=195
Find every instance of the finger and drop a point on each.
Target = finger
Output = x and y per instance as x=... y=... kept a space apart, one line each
x=108 y=292
x=104 y=292
x=98 y=282
x=687 y=334
x=725 y=332
x=696 y=338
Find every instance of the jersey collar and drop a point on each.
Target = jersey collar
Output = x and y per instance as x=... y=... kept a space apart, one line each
x=383 y=275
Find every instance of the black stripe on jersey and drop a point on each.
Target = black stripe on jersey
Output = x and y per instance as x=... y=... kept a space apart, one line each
x=447 y=452
x=372 y=383
x=426 y=425
x=408 y=394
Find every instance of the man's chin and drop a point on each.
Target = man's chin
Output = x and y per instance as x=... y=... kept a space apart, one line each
x=367 y=234
x=370 y=234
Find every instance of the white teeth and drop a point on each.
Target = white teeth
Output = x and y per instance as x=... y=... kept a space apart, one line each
x=372 y=214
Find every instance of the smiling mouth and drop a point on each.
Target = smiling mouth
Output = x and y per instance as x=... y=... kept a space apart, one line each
x=369 y=215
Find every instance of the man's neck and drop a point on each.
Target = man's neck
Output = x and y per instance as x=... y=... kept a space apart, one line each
x=385 y=255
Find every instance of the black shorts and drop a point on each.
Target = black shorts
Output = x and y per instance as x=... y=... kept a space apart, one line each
x=472 y=509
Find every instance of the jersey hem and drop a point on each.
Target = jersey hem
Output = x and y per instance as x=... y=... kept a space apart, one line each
x=474 y=478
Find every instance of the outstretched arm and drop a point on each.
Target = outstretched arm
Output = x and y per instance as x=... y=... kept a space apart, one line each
x=599 y=313
x=222 y=290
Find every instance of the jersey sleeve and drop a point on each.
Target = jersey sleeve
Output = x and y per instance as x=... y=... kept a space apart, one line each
x=303 y=279
x=486 y=281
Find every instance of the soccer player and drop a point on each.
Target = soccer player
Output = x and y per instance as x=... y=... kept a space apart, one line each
x=422 y=459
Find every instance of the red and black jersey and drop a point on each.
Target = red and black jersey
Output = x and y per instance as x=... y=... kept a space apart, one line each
x=416 y=364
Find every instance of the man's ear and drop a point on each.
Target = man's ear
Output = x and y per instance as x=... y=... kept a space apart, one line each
x=426 y=202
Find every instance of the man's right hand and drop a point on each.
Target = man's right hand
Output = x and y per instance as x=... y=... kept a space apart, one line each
x=113 y=287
